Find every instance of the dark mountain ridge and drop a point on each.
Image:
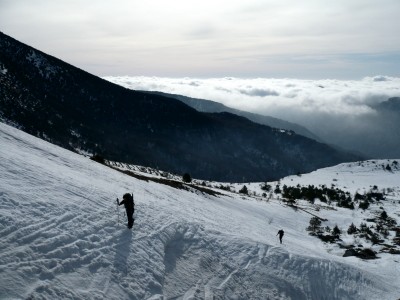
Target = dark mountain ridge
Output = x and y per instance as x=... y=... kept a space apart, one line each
x=203 y=105
x=79 y=111
x=392 y=105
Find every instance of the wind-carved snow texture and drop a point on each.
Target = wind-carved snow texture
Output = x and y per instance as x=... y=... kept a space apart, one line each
x=63 y=237
x=243 y=270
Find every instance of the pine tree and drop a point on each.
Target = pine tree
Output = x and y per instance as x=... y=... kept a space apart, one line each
x=336 y=231
x=352 y=229
x=186 y=178
x=244 y=190
x=315 y=224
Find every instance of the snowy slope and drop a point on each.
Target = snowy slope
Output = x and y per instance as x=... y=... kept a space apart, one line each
x=61 y=239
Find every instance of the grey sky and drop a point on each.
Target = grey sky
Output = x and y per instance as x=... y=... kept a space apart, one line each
x=254 y=38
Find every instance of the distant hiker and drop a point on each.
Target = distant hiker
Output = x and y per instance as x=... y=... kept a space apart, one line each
x=281 y=233
x=129 y=206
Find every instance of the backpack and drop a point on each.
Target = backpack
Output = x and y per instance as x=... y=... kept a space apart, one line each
x=129 y=202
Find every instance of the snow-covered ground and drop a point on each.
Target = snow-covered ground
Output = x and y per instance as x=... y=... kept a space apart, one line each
x=62 y=237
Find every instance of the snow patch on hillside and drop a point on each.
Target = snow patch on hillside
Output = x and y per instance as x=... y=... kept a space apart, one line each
x=3 y=70
x=355 y=176
x=41 y=63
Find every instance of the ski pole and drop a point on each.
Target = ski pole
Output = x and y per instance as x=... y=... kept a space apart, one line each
x=117 y=211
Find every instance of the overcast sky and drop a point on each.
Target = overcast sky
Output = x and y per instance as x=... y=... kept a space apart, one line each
x=342 y=39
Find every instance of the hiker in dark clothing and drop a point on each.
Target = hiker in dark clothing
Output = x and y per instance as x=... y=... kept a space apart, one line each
x=129 y=206
x=281 y=233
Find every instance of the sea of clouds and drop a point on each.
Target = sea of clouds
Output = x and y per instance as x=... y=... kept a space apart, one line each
x=338 y=111
x=301 y=101
x=282 y=98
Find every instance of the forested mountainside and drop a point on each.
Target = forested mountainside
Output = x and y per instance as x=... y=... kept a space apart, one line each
x=69 y=107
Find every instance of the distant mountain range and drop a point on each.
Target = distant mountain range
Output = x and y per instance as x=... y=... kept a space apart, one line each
x=69 y=107
x=391 y=105
x=215 y=107
x=375 y=134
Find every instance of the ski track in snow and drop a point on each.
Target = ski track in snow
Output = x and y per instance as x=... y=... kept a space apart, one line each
x=61 y=239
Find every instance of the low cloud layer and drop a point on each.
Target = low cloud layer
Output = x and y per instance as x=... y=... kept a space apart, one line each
x=338 y=111
x=290 y=99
